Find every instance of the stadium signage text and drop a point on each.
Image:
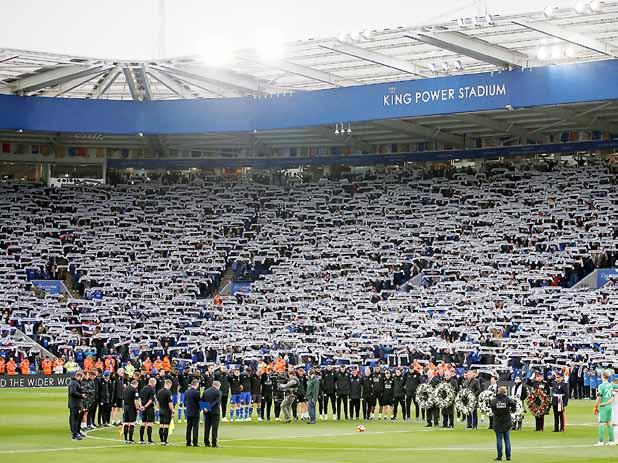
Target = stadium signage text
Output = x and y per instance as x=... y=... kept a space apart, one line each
x=34 y=381
x=394 y=98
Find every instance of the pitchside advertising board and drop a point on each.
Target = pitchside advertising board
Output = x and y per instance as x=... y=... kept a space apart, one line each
x=7 y=382
x=490 y=91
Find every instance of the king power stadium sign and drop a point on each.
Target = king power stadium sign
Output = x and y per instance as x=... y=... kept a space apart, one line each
x=394 y=98
x=34 y=381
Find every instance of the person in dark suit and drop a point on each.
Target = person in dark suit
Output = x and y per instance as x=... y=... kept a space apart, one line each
x=212 y=413
x=76 y=405
x=192 y=412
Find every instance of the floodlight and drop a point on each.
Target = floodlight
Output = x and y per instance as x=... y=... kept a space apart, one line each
x=458 y=65
x=556 y=53
x=367 y=34
x=581 y=7
x=595 y=5
x=550 y=11
x=570 y=52
x=336 y=129
x=432 y=66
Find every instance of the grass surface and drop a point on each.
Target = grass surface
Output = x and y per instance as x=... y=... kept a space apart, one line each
x=34 y=427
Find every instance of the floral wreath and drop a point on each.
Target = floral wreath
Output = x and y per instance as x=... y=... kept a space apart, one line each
x=444 y=395
x=425 y=396
x=538 y=402
x=465 y=402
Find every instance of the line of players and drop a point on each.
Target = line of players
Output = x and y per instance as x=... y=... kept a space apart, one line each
x=373 y=393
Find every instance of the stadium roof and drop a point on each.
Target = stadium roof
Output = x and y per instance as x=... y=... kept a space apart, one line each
x=460 y=46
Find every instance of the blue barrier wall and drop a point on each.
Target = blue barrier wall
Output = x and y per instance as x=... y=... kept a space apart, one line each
x=362 y=159
x=550 y=85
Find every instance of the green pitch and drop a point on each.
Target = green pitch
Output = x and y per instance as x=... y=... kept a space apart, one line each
x=34 y=427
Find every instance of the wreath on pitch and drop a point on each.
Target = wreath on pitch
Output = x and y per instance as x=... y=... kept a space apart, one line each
x=444 y=395
x=538 y=402
x=465 y=401
x=425 y=396
x=519 y=412
x=485 y=399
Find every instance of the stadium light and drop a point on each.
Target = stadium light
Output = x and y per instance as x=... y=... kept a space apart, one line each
x=581 y=7
x=356 y=36
x=550 y=11
x=367 y=34
x=595 y=6
x=343 y=37
x=570 y=52
x=336 y=129
x=458 y=65
x=556 y=53
x=349 y=131
x=445 y=66
x=432 y=66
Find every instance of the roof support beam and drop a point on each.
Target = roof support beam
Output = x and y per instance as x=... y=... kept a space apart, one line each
x=65 y=87
x=240 y=82
x=145 y=83
x=564 y=33
x=170 y=83
x=378 y=58
x=463 y=44
x=414 y=129
x=128 y=76
x=500 y=126
x=52 y=77
x=585 y=118
x=107 y=82
x=304 y=71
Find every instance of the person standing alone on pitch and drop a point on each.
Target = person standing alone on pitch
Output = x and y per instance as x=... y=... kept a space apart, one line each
x=192 y=412
x=502 y=407
x=212 y=414
x=76 y=405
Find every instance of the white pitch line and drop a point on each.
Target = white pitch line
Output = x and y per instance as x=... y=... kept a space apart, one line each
x=368 y=449
x=412 y=449
x=61 y=449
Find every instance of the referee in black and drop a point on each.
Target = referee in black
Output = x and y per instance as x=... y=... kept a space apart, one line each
x=192 y=412
x=147 y=398
x=76 y=405
x=129 y=413
x=212 y=413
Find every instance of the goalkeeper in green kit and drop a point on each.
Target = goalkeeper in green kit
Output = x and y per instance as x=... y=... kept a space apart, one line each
x=603 y=407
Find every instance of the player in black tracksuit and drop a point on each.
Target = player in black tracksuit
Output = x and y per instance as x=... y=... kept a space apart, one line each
x=377 y=391
x=267 y=396
x=278 y=394
x=223 y=377
x=388 y=397
x=368 y=401
x=328 y=386
x=399 y=393
x=342 y=384
x=413 y=379
x=356 y=386
x=105 y=391
x=256 y=393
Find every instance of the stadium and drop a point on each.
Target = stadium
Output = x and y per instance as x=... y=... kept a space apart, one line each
x=312 y=244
